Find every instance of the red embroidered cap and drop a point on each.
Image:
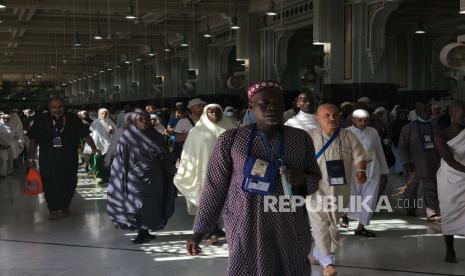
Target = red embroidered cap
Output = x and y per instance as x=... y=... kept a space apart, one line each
x=260 y=85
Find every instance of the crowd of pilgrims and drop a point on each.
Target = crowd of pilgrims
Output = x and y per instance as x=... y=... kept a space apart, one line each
x=215 y=156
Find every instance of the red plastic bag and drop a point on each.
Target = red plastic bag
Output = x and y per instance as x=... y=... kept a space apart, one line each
x=33 y=183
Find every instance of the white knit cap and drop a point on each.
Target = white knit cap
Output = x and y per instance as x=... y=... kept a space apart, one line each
x=364 y=100
x=360 y=113
x=379 y=109
x=345 y=103
x=195 y=102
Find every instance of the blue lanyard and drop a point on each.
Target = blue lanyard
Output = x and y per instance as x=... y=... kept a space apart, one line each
x=269 y=154
x=330 y=141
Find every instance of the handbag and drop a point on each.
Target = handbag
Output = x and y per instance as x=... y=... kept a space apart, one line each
x=33 y=184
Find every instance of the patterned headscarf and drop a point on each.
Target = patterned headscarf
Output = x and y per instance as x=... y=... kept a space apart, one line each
x=260 y=85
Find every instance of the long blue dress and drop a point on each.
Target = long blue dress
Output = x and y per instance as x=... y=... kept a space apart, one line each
x=141 y=192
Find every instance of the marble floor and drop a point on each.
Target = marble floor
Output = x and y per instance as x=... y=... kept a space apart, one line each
x=86 y=243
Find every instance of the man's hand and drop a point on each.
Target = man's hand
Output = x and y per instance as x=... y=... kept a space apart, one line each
x=96 y=152
x=31 y=163
x=295 y=177
x=192 y=245
x=361 y=177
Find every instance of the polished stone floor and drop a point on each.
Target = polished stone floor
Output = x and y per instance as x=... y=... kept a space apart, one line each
x=86 y=243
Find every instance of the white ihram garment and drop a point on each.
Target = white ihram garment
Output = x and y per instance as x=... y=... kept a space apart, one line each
x=302 y=120
x=451 y=190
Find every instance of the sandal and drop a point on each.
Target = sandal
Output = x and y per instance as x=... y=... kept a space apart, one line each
x=213 y=240
x=344 y=222
x=53 y=215
x=365 y=233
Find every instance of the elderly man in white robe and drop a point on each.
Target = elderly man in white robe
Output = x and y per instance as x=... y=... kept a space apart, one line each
x=337 y=151
x=6 y=153
x=101 y=131
x=450 y=144
x=377 y=170
x=305 y=119
x=13 y=122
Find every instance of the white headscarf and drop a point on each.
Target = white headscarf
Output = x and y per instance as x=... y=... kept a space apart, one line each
x=101 y=129
x=195 y=155
x=15 y=127
x=393 y=114
x=6 y=139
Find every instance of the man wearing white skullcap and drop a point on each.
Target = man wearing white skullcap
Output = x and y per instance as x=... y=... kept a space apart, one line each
x=364 y=100
x=376 y=171
x=186 y=124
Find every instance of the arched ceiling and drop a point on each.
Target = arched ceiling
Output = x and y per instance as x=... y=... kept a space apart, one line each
x=38 y=36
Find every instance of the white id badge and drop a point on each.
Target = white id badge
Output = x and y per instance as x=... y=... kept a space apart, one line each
x=429 y=144
x=57 y=143
x=258 y=185
x=337 y=181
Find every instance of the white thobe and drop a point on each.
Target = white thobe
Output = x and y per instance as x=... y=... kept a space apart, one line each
x=451 y=189
x=302 y=120
x=100 y=133
x=6 y=155
x=371 y=141
x=325 y=223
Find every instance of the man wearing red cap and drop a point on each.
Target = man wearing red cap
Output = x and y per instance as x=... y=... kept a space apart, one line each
x=247 y=166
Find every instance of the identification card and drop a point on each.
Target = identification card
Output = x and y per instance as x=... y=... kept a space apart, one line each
x=259 y=168
x=257 y=185
x=428 y=142
x=57 y=143
x=259 y=176
x=336 y=172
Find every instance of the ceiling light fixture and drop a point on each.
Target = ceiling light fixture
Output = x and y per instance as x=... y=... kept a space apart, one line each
x=234 y=25
x=108 y=20
x=271 y=11
x=184 y=42
x=131 y=15
x=98 y=36
x=167 y=49
x=2 y=5
x=77 y=42
x=421 y=29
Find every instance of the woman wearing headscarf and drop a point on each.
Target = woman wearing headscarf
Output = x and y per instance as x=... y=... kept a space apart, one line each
x=7 y=141
x=13 y=121
x=393 y=113
x=115 y=138
x=195 y=155
x=101 y=131
x=141 y=192
x=230 y=112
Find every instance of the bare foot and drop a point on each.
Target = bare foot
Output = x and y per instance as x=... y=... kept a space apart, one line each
x=54 y=215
